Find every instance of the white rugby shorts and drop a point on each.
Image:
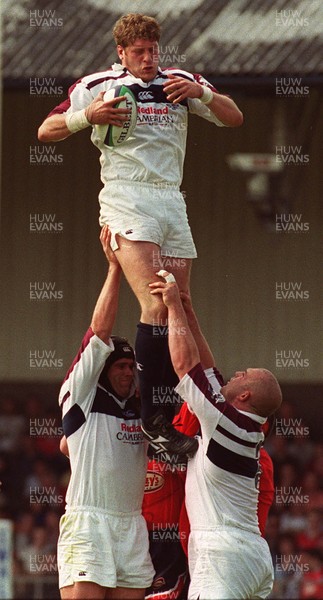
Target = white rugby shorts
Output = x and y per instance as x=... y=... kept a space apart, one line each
x=148 y=213
x=111 y=550
x=229 y=563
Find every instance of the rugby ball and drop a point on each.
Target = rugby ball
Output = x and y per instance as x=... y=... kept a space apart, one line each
x=111 y=135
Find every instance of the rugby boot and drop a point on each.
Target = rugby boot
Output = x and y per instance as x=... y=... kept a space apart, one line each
x=163 y=437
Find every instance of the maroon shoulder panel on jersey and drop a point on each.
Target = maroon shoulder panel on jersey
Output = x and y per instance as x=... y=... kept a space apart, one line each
x=86 y=340
x=240 y=420
x=200 y=79
x=63 y=106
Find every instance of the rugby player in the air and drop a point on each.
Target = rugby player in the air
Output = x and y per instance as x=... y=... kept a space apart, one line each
x=141 y=199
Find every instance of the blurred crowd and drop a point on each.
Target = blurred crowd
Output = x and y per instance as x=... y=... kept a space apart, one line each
x=295 y=524
x=34 y=476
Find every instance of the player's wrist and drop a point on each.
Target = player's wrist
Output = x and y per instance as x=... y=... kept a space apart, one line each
x=207 y=95
x=114 y=267
x=77 y=121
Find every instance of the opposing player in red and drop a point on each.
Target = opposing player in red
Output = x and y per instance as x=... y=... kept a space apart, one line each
x=141 y=199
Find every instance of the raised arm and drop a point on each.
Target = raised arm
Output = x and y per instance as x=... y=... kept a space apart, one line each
x=107 y=303
x=182 y=346
x=206 y=356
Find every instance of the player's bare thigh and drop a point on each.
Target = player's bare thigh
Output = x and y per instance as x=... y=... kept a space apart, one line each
x=67 y=592
x=121 y=593
x=88 y=590
x=83 y=590
x=140 y=261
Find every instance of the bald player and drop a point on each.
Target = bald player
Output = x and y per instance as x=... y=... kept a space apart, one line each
x=228 y=558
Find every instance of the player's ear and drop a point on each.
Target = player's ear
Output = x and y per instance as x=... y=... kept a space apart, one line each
x=244 y=396
x=120 y=50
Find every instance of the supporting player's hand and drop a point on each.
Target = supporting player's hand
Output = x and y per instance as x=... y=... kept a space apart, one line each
x=178 y=88
x=105 y=239
x=105 y=113
x=169 y=291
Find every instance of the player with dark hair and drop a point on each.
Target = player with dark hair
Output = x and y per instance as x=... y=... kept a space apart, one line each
x=141 y=199
x=103 y=549
x=228 y=558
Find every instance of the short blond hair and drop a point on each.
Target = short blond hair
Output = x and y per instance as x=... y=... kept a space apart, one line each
x=134 y=26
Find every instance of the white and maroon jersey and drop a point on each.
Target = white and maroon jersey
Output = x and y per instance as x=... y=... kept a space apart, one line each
x=222 y=478
x=155 y=152
x=106 y=446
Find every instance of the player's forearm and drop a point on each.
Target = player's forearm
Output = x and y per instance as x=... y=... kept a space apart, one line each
x=205 y=353
x=226 y=110
x=183 y=349
x=106 y=307
x=53 y=129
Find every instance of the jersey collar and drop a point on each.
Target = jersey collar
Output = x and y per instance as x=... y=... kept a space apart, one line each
x=253 y=416
x=118 y=68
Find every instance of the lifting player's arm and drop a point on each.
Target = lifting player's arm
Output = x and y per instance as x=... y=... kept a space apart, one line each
x=96 y=345
x=107 y=303
x=206 y=356
x=182 y=346
x=223 y=107
x=87 y=366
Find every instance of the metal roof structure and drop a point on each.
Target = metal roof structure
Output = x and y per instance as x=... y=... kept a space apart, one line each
x=237 y=39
